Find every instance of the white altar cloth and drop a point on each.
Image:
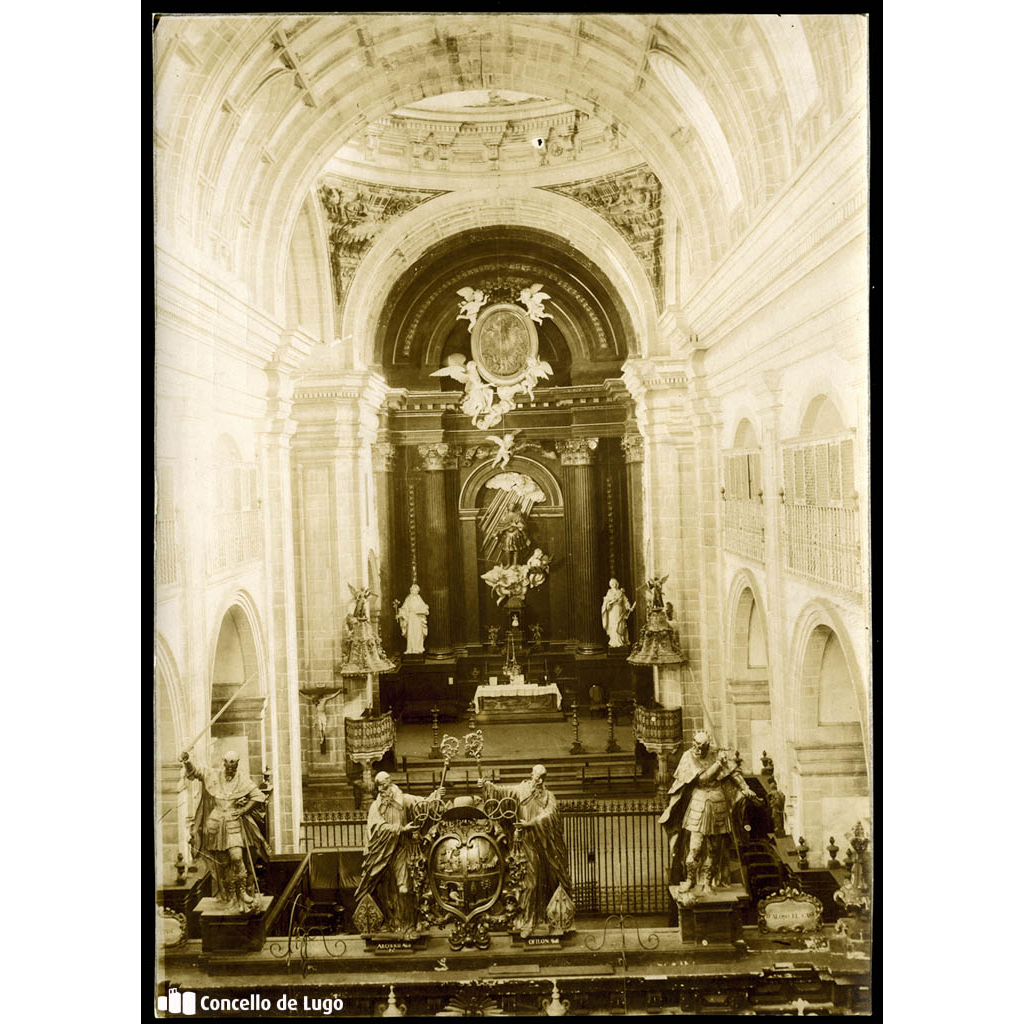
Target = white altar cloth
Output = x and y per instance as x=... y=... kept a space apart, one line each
x=510 y=690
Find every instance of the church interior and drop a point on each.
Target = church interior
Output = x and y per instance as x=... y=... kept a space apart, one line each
x=512 y=409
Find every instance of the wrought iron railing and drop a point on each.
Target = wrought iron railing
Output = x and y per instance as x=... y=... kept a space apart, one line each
x=237 y=539
x=618 y=853
x=823 y=542
x=743 y=527
x=166 y=552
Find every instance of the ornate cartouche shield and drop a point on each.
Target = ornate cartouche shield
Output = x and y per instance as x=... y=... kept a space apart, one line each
x=465 y=868
x=503 y=339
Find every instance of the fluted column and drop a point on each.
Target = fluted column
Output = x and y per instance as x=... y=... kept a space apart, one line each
x=633 y=450
x=435 y=575
x=583 y=513
x=383 y=456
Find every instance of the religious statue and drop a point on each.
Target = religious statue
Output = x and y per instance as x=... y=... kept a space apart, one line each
x=654 y=585
x=504 y=452
x=543 y=846
x=777 y=805
x=360 y=595
x=513 y=536
x=615 y=611
x=412 y=618
x=537 y=567
x=225 y=830
x=388 y=854
x=533 y=299
x=473 y=300
x=320 y=710
x=706 y=788
x=479 y=395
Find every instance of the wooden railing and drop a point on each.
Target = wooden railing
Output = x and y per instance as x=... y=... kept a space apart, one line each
x=743 y=527
x=823 y=542
x=237 y=539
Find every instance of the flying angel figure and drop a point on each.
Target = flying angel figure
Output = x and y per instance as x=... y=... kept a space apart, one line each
x=504 y=452
x=479 y=395
x=533 y=299
x=472 y=302
x=536 y=370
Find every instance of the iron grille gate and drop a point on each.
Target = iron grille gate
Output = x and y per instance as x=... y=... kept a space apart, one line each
x=618 y=853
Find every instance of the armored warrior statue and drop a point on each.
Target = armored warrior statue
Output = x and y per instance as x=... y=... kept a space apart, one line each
x=706 y=788
x=225 y=830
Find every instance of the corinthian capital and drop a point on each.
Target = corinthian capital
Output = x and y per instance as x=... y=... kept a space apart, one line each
x=633 y=448
x=577 y=451
x=439 y=456
x=383 y=453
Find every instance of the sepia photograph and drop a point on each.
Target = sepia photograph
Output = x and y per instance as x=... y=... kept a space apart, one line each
x=512 y=516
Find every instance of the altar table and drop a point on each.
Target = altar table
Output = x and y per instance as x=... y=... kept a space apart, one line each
x=518 y=698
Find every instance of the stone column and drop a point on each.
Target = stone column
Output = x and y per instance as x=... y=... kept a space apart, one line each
x=434 y=534
x=633 y=450
x=383 y=455
x=582 y=510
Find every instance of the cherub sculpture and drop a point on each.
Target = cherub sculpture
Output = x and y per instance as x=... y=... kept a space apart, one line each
x=472 y=302
x=533 y=299
x=479 y=396
x=504 y=452
x=536 y=370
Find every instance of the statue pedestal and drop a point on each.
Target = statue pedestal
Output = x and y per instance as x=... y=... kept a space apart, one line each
x=225 y=929
x=713 y=918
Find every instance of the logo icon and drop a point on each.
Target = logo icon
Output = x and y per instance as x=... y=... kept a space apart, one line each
x=177 y=1002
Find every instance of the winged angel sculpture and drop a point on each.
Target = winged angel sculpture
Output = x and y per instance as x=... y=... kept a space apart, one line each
x=472 y=302
x=533 y=299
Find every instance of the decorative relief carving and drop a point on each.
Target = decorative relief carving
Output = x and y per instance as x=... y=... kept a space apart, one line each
x=356 y=212
x=633 y=448
x=501 y=283
x=631 y=202
x=439 y=456
x=577 y=451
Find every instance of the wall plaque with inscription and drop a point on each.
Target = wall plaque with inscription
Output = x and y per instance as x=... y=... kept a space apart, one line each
x=503 y=340
x=789 y=910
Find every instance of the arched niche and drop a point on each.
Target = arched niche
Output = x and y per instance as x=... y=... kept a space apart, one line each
x=822 y=418
x=475 y=495
x=748 y=689
x=830 y=764
x=170 y=727
x=238 y=674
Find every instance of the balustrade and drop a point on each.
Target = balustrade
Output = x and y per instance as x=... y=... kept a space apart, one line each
x=823 y=542
x=743 y=528
x=237 y=539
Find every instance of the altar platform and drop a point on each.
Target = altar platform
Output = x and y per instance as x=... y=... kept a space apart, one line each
x=602 y=969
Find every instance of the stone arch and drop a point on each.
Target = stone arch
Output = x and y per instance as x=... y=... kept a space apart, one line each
x=469 y=496
x=407 y=238
x=171 y=736
x=819 y=386
x=238 y=658
x=830 y=759
x=748 y=686
x=309 y=301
